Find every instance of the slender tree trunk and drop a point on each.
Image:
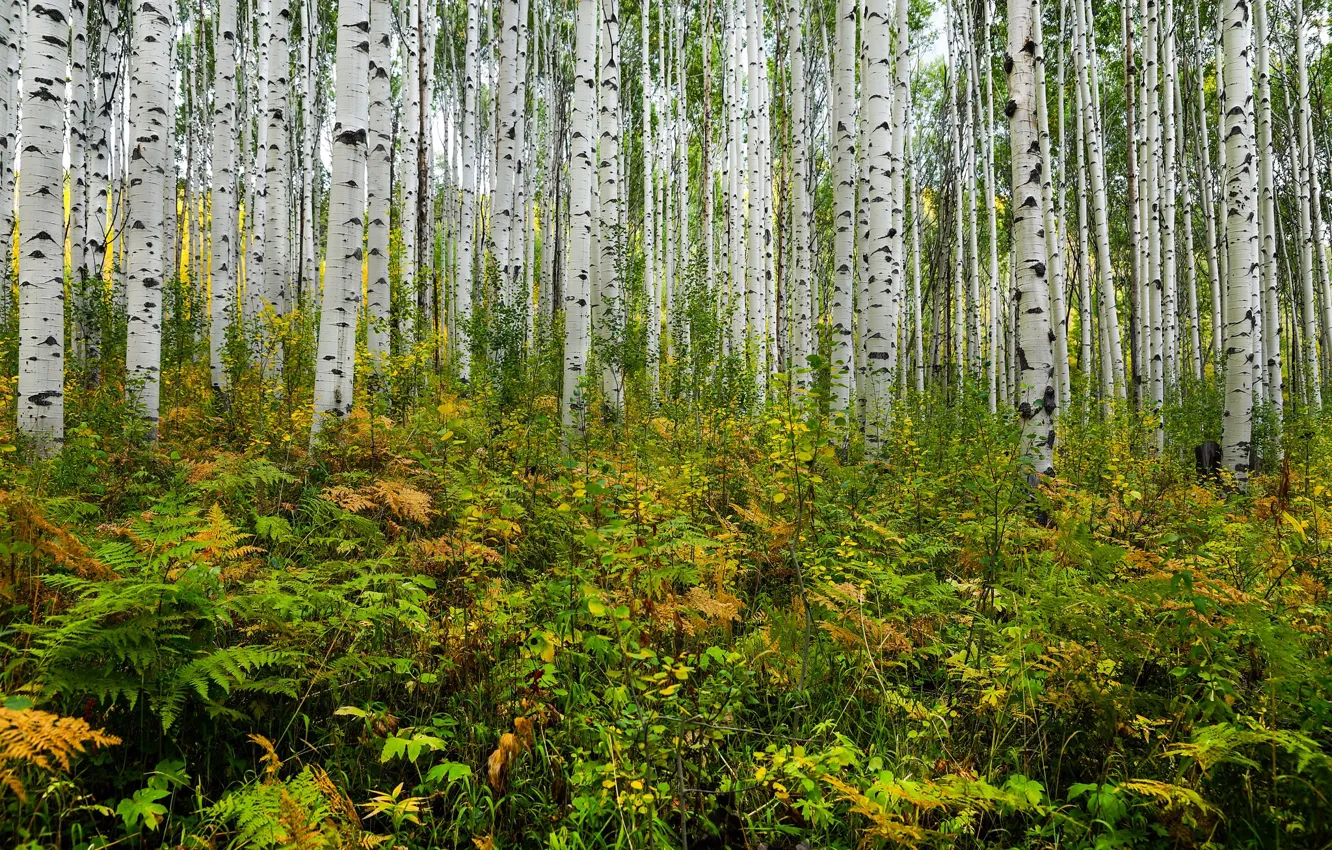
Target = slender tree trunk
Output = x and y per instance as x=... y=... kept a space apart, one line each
x=11 y=28
x=1095 y=162
x=1190 y=246
x=1203 y=142
x=609 y=320
x=1308 y=235
x=1267 y=231
x=149 y=167
x=1036 y=392
x=277 y=191
x=335 y=360
x=223 y=303
x=41 y=378
x=577 y=294
x=77 y=150
x=466 y=280
x=1242 y=238
x=755 y=266
x=875 y=313
x=379 y=188
x=1054 y=255
x=844 y=200
x=101 y=225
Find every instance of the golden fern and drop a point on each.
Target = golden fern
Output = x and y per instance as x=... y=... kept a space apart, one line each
x=40 y=739
x=402 y=500
x=222 y=540
x=272 y=761
x=405 y=501
x=29 y=524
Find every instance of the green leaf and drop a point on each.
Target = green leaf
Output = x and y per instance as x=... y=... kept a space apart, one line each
x=143 y=807
x=449 y=772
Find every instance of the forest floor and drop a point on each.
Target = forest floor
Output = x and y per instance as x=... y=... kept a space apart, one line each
x=449 y=628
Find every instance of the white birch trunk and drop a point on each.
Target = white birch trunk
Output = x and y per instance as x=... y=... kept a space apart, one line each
x=844 y=200
x=801 y=308
x=610 y=310
x=335 y=359
x=101 y=225
x=1035 y=391
x=505 y=212
x=378 y=183
x=76 y=150
x=277 y=190
x=1242 y=238
x=755 y=266
x=150 y=171
x=1190 y=247
x=1053 y=244
x=1213 y=247
x=465 y=284
x=577 y=279
x=41 y=378
x=875 y=312
x=223 y=303
x=1096 y=167
x=11 y=29
x=1309 y=307
x=653 y=306
x=406 y=170
x=1275 y=379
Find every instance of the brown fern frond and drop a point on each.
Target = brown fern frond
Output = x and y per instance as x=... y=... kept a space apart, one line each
x=272 y=761
x=31 y=525
x=405 y=501
x=349 y=499
x=43 y=740
x=298 y=831
x=339 y=802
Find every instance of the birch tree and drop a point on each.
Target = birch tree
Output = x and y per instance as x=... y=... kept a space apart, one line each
x=465 y=283
x=577 y=294
x=876 y=313
x=378 y=182
x=610 y=317
x=844 y=200
x=1241 y=238
x=277 y=192
x=224 y=242
x=335 y=359
x=41 y=378
x=801 y=307
x=146 y=234
x=1035 y=391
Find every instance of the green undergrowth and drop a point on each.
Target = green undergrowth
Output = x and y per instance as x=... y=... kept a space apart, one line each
x=451 y=626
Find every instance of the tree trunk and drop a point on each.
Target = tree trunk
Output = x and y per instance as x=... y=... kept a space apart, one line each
x=844 y=200
x=379 y=188
x=1035 y=357
x=1242 y=239
x=577 y=294
x=223 y=304
x=149 y=176
x=609 y=320
x=335 y=360
x=41 y=391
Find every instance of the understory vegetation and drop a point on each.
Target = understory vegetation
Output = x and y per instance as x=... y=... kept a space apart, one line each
x=453 y=624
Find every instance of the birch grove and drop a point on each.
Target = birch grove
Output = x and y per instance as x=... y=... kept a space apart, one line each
x=600 y=424
x=852 y=205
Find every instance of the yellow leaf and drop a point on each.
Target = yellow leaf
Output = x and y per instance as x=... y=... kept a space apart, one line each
x=778 y=498
x=1293 y=523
